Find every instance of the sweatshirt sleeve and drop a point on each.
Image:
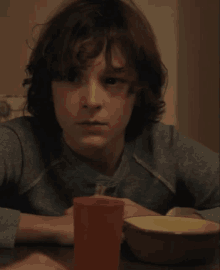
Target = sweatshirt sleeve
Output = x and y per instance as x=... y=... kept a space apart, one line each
x=9 y=223
x=197 y=183
x=10 y=173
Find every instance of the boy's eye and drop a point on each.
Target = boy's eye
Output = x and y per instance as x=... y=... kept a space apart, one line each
x=73 y=78
x=110 y=80
x=114 y=80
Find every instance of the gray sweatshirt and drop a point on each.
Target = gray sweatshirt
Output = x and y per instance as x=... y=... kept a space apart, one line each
x=40 y=174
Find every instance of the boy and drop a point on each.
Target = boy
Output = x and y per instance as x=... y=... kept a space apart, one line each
x=96 y=61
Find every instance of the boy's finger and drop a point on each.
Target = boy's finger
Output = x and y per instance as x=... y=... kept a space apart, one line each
x=68 y=211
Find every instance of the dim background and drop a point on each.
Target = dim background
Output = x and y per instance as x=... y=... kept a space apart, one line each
x=187 y=33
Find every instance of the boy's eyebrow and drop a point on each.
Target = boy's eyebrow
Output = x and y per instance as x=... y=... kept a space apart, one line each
x=130 y=73
x=120 y=70
x=117 y=70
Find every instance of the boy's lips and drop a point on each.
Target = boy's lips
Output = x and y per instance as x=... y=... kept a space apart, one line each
x=92 y=123
x=94 y=127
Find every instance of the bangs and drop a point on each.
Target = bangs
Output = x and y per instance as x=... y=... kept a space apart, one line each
x=81 y=53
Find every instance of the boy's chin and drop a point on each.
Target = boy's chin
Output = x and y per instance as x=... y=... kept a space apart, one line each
x=94 y=141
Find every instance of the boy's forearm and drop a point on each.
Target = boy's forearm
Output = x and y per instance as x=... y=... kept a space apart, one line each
x=34 y=228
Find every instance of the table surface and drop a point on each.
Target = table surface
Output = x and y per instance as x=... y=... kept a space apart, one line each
x=64 y=256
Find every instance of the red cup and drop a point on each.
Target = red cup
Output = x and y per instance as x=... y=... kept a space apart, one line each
x=98 y=226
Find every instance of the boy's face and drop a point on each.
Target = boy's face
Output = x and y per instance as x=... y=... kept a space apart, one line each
x=95 y=95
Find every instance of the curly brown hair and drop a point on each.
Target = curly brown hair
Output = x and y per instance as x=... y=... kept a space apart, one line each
x=60 y=50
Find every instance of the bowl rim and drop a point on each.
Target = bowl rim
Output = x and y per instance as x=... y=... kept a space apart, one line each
x=217 y=231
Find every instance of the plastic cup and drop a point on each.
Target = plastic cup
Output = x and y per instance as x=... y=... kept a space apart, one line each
x=98 y=226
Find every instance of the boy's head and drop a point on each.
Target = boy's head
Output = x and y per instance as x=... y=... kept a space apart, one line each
x=96 y=94
x=71 y=69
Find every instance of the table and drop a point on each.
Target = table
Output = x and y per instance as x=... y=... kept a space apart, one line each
x=64 y=256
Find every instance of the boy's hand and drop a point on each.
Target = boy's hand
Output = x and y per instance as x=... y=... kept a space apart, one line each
x=70 y=211
x=184 y=212
x=132 y=209
x=63 y=228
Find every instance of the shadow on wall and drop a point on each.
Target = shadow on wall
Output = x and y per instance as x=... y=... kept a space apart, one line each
x=4 y=7
x=11 y=107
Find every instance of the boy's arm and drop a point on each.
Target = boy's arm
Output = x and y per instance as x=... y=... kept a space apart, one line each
x=34 y=228
x=49 y=229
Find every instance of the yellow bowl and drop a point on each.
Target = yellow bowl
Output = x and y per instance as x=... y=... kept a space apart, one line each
x=171 y=240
